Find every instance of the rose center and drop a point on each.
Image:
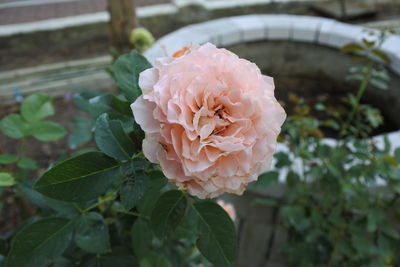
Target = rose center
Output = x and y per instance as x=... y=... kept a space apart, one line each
x=213 y=122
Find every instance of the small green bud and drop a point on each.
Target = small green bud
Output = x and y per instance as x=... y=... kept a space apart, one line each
x=142 y=39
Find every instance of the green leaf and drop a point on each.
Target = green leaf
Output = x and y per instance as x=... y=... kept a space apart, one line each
x=379 y=84
x=375 y=217
x=82 y=132
x=357 y=76
x=397 y=154
x=47 y=203
x=157 y=179
x=128 y=123
x=8 y=158
x=135 y=185
x=125 y=72
x=154 y=259
x=217 y=241
x=141 y=236
x=14 y=126
x=382 y=55
x=267 y=179
x=368 y=43
x=334 y=170
x=116 y=258
x=391 y=232
x=27 y=163
x=39 y=243
x=282 y=160
x=47 y=131
x=381 y=74
x=188 y=228
x=6 y=179
x=168 y=212
x=37 y=107
x=360 y=244
x=112 y=140
x=109 y=103
x=92 y=233
x=148 y=201
x=80 y=178
x=320 y=107
x=359 y=58
x=295 y=216
x=351 y=48
x=81 y=100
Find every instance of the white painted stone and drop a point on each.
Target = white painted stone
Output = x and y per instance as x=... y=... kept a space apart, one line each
x=252 y=27
x=306 y=28
x=342 y=34
x=278 y=27
x=391 y=47
x=171 y=44
x=324 y=32
x=396 y=67
x=212 y=31
x=393 y=137
x=221 y=4
x=182 y=3
x=155 y=52
x=228 y=33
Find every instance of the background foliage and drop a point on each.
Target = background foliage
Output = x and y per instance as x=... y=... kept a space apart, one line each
x=342 y=203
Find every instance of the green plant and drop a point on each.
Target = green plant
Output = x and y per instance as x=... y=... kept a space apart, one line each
x=28 y=123
x=110 y=206
x=342 y=204
x=371 y=69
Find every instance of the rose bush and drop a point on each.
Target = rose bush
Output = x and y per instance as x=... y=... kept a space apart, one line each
x=210 y=120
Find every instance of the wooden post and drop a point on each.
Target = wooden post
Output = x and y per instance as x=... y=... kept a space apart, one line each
x=122 y=21
x=343 y=10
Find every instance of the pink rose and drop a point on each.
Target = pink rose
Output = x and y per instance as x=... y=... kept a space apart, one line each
x=210 y=118
x=228 y=207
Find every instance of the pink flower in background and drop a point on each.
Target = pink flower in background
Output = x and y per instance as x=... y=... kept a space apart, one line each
x=228 y=207
x=210 y=120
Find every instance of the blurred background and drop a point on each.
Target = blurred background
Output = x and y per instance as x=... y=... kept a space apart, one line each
x=40 y=32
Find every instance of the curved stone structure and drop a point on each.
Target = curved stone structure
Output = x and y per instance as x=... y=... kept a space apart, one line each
x=233 y=30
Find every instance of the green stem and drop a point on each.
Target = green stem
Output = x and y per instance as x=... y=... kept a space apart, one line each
x=98 y=203
x=360 y=93
x=136 y=214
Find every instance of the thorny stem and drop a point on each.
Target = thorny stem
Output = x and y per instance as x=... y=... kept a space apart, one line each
x=360 y=93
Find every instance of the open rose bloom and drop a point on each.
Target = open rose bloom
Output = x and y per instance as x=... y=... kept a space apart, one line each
x=210 y=118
